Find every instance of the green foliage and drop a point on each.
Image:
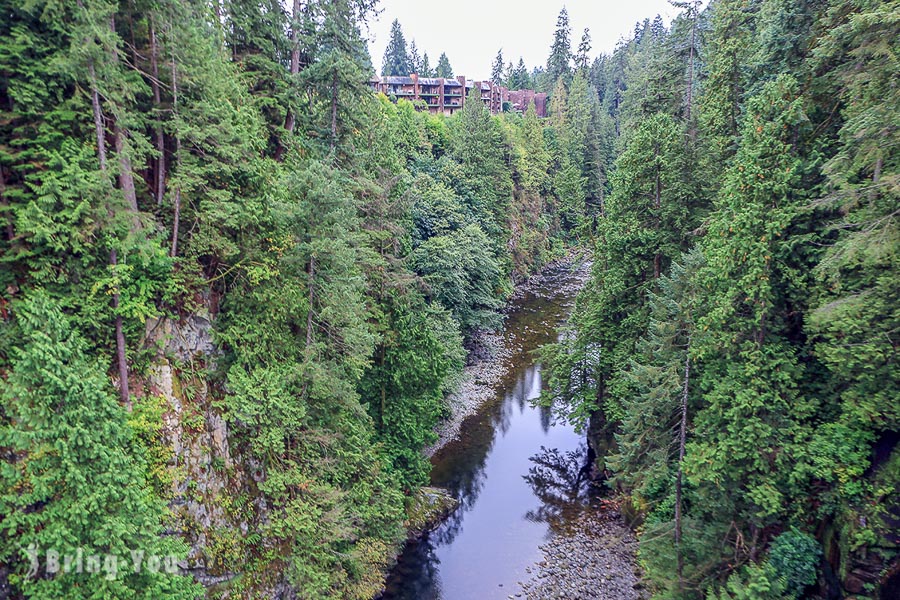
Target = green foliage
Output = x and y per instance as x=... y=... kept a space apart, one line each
x=752 y=582
x=72 y=479
x=559 y=63
x=462 y=275
x=396 y=58
x=794 y=558
x=404 y=386
x=763 y=230
x=443 y=68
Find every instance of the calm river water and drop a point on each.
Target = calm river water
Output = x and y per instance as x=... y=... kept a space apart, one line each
x=517 y=475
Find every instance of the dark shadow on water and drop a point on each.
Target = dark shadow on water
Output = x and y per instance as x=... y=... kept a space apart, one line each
x=560 y=479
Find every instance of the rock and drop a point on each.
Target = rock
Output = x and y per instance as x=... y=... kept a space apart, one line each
x=429 y=507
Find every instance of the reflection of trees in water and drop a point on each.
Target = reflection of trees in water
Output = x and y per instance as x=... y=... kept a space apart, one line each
x=415 y=576
x=469 y=475
x=546 y=414
x=466 y=487
x=560 y=481
x=526 y=387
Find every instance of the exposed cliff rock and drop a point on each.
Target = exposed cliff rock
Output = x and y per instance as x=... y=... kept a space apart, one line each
x=208 y=478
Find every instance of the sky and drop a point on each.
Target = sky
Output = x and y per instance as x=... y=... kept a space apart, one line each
x=471 y=31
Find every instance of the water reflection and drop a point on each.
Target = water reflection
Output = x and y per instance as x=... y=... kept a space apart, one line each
x=514 y=471
x=560 y=479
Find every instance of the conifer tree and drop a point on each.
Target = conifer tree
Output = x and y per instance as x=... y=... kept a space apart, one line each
x=756 y=417
x=71 y=482
x=396 y=56
x=519 y=77
x=484 y=182
x=497 y=68
x=415 y=61
x=856 y=314
x=443 y=68
x=559 y=62
x=425 y=69
x=726 y=83
x=584 y=50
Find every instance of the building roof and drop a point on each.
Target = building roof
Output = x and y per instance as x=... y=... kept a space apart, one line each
x=452 y=83
x=429 y=81
x=395 y=79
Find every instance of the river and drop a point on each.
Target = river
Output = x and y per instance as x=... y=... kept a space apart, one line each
x=518 y=474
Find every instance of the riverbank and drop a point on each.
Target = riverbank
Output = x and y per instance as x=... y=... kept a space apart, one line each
x=594 y=558
x=480 y=378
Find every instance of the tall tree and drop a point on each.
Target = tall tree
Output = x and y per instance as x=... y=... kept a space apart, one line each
x=559 y=63
x=519 y=77
x=425 y=70
x=497 y=68
x=752 y=431
x=443 y=68
x=584 y=50
x=415 y=60
x=396 y=56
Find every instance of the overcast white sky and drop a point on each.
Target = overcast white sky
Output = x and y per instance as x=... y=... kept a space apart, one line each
x=471 y=31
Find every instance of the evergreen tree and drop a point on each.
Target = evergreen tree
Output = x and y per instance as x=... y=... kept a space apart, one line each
x=338 y=73
x=443 y=68
x=415 y=61
x=733 y=25
x=72 y=482
x=753 y=430
x=425 y=70
x=560 y=59
x=584 y=49
x=484 y=182
x=855 y=314
x=519 y=77
x=497 y=68
x=652 y=437
x=396 y=56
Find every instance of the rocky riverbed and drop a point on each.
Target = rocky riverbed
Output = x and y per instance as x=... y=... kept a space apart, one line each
x=594 y=558
x=490 y=360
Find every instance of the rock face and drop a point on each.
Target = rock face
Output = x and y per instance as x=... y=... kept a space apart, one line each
x=207 y=474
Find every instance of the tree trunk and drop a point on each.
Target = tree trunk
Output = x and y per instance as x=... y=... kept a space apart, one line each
x=309 y=313
x=121 y=359
x=157 y=102
x=99 y=131
x=692 y=131
x=290 y=119
x=98 y=118
x=176 y=218
x=334 y=107
x=657 y=203
x=126 y=175
x=383 y=392
x=682 y=437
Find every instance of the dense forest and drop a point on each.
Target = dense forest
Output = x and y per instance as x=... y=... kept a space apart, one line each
x=167 y=165
x=236 y=287
x=739 y=335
